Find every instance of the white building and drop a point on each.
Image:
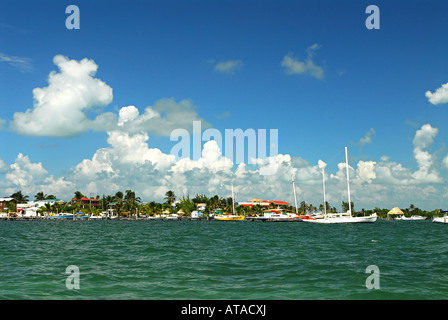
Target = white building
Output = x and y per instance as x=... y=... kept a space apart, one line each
x=30 y=209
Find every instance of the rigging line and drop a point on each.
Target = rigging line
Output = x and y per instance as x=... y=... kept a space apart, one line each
x=337 y=155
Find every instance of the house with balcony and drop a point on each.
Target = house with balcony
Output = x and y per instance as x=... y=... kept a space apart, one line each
x=86 y=202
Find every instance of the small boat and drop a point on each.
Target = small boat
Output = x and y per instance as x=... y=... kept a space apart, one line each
x=441 y=219
x=344 y=217
x=228 y=217
x=61 y=216
x=220 y=216
x=279 y=215
x=411 y=218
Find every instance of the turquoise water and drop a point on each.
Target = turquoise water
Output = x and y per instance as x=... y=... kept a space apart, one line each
x=169 y=260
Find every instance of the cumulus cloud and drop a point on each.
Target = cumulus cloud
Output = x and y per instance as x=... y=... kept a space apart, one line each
x=295 y=66
x=440 y=96
x=160 y=119
x=31 y=178
x=23 y=172
x=228 y=66
x=366 y=171
x=60 y=109
x=130 y=163
x=423 y=140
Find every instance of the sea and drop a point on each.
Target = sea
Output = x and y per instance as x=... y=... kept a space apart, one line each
x=222 y=260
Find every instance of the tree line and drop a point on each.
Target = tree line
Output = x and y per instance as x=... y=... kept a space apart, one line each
x=127 y=204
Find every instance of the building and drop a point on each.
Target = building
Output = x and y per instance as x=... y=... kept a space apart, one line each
x=85 y=202
x=201 y=206
x=31 y=208
x=263 y=203
x=5 y=203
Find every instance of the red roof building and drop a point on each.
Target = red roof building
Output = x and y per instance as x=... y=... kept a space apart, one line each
x=87 y=202
x=264 y=203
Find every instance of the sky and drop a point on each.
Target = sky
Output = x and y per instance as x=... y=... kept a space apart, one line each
x=96 y=108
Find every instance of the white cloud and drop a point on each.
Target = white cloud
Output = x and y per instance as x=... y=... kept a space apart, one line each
x=423 y=139
x=59 y=109
x=23 y=173
x=211 y=159
x=3 y=166
x=130 y=163
x=368 y=137
x=295 y=66
x=439 y=96
x=445 y=162
x=366 y=171
x=161 y=119
x=20 y=63
x=229 y=66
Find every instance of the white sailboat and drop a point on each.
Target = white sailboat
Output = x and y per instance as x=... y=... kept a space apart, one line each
x=344 y=217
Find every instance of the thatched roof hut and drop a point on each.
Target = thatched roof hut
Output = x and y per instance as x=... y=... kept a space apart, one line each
x=395 y=211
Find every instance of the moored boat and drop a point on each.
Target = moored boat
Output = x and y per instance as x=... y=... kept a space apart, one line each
x=411 y=218
x=279 y=215
x=228 y=217
x=220 y=216
x=344 y=217
x=441 y=219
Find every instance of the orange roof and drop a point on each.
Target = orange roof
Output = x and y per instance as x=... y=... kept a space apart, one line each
x=86 y=199
x=277 y=202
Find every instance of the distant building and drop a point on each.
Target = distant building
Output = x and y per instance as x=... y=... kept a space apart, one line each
x=263 y=203
x=30 y=209
x=4 y=203
x=201 y=206
x=85 y=202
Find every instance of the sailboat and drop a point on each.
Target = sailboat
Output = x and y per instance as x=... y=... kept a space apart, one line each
x=344 y=217
x=228 y=216
x=441 y=219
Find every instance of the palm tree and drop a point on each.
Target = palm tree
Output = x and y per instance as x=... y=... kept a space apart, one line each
x=79 y=195
x=303 y=207
x=170 y=197
x=345 y=206
x=214 y=203
x=131 y=198
x=119 y=196
x=40 y=196
x=19 y=197
x=187 y=205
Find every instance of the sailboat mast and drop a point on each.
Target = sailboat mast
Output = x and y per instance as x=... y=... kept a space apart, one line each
x=323 y=182
x=295 y=196
x=233 y=201
x=348 y=183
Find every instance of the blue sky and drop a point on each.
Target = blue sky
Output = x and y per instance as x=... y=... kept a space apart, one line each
x=312 y=70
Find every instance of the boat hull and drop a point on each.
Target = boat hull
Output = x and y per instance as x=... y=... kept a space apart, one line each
x=348 y=219
x=412 y=218
x=440 y=220
x=229 y=218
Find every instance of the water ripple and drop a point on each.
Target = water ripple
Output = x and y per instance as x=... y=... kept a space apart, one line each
x=215 y=260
